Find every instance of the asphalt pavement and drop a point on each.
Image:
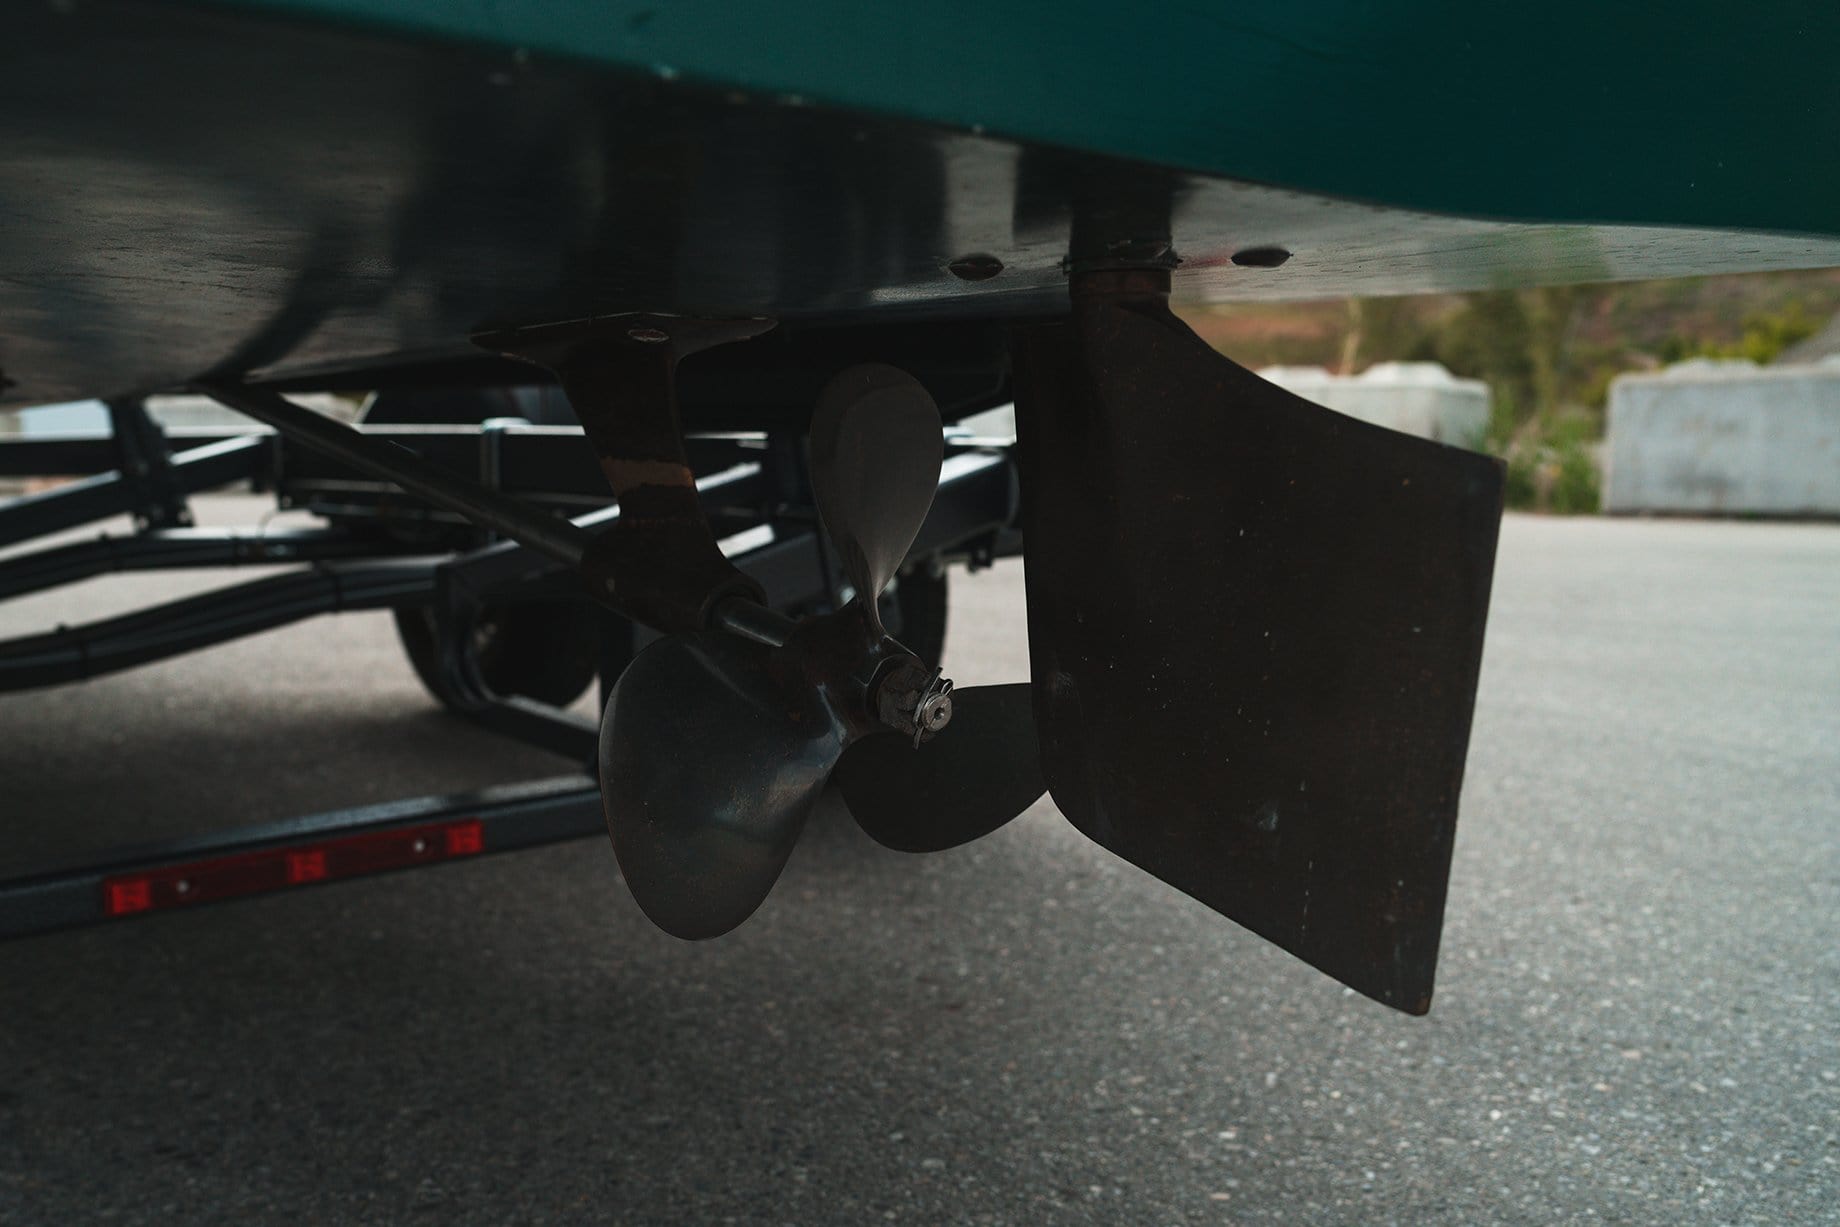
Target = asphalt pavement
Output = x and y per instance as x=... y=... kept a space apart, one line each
x=1637 y=1017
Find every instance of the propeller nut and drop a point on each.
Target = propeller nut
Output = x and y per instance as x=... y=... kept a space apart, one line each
x=909 y=699
x=935 y=711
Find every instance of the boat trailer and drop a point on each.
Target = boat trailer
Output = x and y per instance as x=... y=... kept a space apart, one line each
x=465 y=601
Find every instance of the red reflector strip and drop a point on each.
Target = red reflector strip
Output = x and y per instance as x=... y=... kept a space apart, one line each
x=253 y=873
x=306 y=866
x=132 y=895
x=465 y=838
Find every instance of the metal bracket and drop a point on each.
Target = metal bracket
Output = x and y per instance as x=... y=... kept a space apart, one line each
x=145 y=460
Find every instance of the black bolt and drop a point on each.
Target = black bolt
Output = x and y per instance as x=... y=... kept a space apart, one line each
x=1261 y=257
x=975 y=267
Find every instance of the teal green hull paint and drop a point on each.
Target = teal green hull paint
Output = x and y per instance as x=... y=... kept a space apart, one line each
x=190 y=187
x=1698 y=113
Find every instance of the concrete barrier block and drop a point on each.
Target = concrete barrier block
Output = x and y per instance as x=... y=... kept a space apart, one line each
x=1419 y=398
x=1725 y=438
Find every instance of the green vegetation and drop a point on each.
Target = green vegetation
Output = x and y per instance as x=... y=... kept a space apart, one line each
x=1553 y=464
x=1764 y=338
x=1548 y=354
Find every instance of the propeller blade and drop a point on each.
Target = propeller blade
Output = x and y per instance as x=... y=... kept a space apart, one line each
x=975 y=776
x=1256 y=628
x=876 y=448
x=712 y=755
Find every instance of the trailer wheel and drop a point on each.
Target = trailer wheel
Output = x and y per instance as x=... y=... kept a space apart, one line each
x=920 y=605
x=542 y=650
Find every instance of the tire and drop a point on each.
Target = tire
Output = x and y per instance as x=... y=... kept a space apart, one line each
x=920 y=606
x=542 y=650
